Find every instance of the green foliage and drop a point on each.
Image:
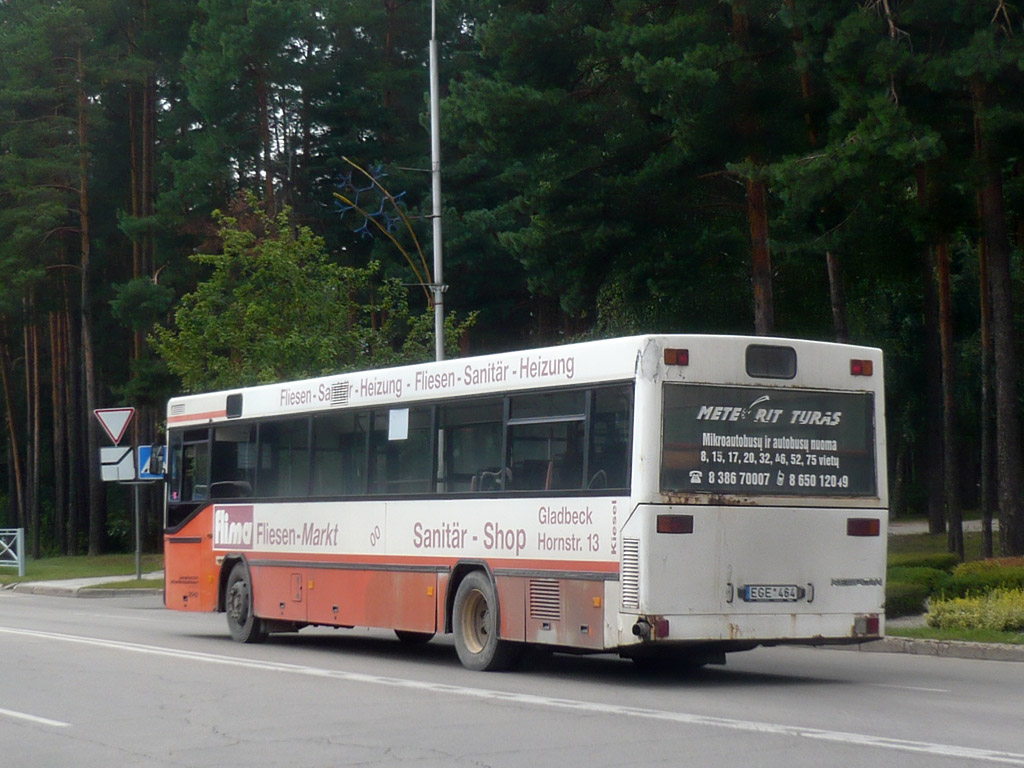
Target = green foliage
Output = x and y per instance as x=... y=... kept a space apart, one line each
x=904 y=599
x=276 y=308
x=999 y=610
x=984 y=580
x=942 y=561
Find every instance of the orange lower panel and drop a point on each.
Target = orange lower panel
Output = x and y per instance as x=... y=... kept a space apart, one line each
x=389 y=599
x=190 y=575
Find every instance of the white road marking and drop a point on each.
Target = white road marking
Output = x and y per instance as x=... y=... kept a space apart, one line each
x=910 y=688
x=33 y=718
x=684 y=718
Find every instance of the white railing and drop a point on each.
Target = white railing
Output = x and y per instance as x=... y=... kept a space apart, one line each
x=12 y=549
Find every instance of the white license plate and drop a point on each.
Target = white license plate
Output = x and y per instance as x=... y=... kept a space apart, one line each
x=772 y=593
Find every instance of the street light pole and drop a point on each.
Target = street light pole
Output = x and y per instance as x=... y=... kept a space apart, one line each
x=435 y=174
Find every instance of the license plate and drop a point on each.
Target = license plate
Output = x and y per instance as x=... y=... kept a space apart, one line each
x=772 y=593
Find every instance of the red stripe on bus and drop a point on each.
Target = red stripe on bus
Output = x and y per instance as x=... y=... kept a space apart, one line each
x=287 y=559
x=196 y=416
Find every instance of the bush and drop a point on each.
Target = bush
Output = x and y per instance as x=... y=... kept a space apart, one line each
x=943 y=561
x=1001 y=610
x=980 y=580
x=984 y=566
x=904 y=598
x=932 y=578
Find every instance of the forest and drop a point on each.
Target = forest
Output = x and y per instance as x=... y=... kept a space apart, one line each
x=209 y=193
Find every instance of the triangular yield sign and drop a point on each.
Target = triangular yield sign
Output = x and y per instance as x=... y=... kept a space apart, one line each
x=114 y=421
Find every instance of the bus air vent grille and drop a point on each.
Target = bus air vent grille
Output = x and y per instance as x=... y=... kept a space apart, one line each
x=630 y=574
x=545 y=600
x=177 y=409
x=340 y=392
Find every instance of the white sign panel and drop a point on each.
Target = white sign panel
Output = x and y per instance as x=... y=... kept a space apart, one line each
x=117 y=464
x=114 y=421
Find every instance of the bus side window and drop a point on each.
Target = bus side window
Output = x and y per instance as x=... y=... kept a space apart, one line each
x=339 y=454
x=401 y=451
x=611 y=418
x=470 y=447
x=284 y=459
x=233 y=462
x=545 y=440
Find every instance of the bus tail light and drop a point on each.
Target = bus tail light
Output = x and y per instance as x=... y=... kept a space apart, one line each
x=677 y=357
x=866 y=625
x=863 y=526
x=675 y=523
x=862 y=368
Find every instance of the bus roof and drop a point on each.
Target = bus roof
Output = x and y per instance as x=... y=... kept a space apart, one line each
x=618 y=359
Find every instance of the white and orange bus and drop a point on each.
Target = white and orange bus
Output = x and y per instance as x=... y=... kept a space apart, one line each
x=662 y=495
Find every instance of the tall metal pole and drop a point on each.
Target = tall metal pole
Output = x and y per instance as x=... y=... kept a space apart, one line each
x=435 y=174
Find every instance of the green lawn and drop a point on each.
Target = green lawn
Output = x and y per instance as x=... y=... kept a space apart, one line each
x=50 y=568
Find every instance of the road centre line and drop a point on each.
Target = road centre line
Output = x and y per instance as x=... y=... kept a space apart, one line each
x=682 y=718
x=33 y=718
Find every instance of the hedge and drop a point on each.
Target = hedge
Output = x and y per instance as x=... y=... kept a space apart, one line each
x=1002 y=610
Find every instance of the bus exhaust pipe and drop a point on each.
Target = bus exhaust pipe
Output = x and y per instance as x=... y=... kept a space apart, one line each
x=642 y=629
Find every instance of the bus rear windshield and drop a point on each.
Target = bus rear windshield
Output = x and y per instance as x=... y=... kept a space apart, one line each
x=774 y=442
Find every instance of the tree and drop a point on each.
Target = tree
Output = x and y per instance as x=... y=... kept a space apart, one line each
x=276 y=308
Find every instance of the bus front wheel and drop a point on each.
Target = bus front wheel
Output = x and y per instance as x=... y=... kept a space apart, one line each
x=244 y=625
x=475 y=621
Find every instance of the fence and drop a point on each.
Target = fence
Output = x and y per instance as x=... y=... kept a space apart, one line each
x=12 y=549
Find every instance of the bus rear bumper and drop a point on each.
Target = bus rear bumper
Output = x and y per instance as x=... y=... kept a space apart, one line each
x=763 y=629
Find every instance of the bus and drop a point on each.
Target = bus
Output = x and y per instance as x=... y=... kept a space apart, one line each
x=663 y=497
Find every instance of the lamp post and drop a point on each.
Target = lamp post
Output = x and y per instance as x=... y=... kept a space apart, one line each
x=435 y=176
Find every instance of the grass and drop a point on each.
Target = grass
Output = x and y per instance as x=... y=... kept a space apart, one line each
x=51 y=568
x=934 y=543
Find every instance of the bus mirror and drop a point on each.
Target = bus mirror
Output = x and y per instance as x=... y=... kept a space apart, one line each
x=156 y=461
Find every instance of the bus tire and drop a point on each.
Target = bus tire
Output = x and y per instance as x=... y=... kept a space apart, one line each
x=475 y=621
x=243 y=624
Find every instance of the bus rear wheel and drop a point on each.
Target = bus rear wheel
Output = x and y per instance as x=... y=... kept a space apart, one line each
x=475 y=621
x=243 y=624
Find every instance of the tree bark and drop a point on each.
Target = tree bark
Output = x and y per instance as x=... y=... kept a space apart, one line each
x=97 y=494
x=950 y=463
x=997 y=245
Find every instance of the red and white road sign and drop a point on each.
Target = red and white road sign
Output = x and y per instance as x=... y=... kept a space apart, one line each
x=114 y=421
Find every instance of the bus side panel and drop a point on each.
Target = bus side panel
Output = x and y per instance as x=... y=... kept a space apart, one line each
x=389 y=599
x=566 y=612
x=512 y=599
x=190 y=572
x=278 y=592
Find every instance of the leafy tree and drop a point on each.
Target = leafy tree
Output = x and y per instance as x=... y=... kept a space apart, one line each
x=275 y=308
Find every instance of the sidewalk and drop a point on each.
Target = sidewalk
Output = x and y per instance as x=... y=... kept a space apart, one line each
x=90 y=587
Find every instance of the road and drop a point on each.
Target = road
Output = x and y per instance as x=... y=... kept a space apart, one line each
x=122 y=682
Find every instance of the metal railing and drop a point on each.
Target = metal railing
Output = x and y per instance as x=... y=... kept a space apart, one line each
x=12 y=549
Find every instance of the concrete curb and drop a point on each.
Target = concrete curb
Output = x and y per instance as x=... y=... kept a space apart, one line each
x=951 y=649
x=83 y=590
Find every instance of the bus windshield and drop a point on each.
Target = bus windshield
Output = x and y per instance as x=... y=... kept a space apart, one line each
x=767 y=441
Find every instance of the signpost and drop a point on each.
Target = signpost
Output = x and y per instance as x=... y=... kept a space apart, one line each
x=117 y=464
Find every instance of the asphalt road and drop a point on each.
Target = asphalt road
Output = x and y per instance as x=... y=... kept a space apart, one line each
x=122 y=682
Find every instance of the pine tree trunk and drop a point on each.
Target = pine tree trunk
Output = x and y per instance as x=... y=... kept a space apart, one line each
x=97 y=493
x=989 y=481
x=950 y=464
x=997 y=245
x=934 y=458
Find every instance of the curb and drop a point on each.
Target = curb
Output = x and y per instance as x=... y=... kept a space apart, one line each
x=950 y=649
x=63 y=590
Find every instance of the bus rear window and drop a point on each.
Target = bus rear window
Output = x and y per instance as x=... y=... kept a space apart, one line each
x=763 y=441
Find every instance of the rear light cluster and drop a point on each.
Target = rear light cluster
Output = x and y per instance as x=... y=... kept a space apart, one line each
x=675 y=524
x=862 y=368
x=677 y=357
x=863 y=526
